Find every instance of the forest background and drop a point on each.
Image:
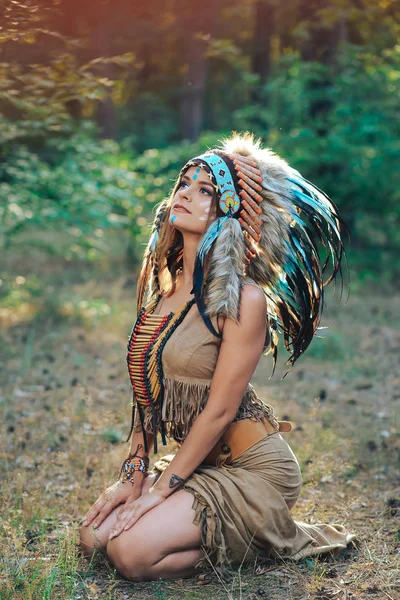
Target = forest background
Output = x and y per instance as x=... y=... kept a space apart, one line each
x=100 y=105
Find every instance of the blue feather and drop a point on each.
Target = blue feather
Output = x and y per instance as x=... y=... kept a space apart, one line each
x=314 y=191
x=153 y=240
x=209 y=238
x=318 y=207
x=296 y=240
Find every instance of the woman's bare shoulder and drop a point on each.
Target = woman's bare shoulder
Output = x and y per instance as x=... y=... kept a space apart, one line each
x=252 y=305
x=252 y=296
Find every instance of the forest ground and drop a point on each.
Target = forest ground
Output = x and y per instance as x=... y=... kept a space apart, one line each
x=65 y=409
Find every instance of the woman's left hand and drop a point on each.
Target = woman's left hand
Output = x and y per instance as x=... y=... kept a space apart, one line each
x=133 y=510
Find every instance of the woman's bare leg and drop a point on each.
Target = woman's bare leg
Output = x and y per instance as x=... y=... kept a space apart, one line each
x=91 y=538
x=175 y=565
x=163 y=543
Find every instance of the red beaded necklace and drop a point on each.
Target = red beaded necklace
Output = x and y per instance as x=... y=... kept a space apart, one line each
x=146 y=343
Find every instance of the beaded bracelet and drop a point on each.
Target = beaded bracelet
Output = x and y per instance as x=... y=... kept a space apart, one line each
x=130 y=465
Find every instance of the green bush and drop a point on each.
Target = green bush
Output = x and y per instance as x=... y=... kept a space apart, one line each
x=83 y=191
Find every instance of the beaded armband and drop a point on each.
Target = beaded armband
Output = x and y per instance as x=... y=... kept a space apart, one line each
x=130 y=465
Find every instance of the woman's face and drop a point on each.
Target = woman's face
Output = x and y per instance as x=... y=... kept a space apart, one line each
x=191 y=205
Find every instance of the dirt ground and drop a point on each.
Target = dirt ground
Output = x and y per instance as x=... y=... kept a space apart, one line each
x=65 y=408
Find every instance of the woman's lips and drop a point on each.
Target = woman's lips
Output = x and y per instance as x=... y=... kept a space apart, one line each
x=180 y=208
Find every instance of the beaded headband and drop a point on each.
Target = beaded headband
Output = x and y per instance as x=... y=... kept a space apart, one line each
x=238 y=181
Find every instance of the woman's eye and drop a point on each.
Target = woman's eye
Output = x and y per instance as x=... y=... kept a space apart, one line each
x=206 y=191
x=181 y=184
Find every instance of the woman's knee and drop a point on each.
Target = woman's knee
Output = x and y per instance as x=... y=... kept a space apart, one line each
x=90 y=540
x=132 y=560
x=166 y=529
x=86 y=542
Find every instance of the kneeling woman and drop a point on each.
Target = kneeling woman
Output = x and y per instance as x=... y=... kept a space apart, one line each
x=232 y=262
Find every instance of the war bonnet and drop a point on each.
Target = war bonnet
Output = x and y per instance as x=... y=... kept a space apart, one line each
x=272 y=226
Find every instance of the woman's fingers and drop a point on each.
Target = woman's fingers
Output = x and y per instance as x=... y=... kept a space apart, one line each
x=93 y=512
x=109 y=499
x=133 y=511
x=125 y=521
x=112 y=497
x=99 y=512
x=127 y=517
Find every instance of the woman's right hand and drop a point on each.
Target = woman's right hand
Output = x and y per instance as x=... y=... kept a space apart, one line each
x=113 y=496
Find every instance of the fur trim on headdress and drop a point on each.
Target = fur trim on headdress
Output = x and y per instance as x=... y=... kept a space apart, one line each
x=226 y=272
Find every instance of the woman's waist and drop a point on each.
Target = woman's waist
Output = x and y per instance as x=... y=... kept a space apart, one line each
x=240 y=436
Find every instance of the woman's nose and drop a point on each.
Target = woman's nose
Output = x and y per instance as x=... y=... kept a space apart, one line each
x=186 y=193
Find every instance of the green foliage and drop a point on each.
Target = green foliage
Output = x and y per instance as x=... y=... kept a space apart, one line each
x=83 y=191
x=43 y=99
x=37 y=101
x=338 y=127
x=147 y=122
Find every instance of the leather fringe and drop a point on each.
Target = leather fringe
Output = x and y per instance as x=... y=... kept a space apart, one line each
x=184 y=400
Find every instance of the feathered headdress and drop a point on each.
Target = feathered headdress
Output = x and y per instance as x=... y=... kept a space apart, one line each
x=272 y=225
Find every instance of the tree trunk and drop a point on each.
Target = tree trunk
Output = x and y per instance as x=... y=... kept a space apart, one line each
x=74 y=20
x=196 y=29
x=106 y=118
x=322 y=43
x=264 y=24
x=193 y=90
x=101 y=47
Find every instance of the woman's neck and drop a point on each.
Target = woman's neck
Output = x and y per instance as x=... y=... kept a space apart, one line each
x=190 y=243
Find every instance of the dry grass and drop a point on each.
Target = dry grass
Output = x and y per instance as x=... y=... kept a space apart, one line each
x=65 y=401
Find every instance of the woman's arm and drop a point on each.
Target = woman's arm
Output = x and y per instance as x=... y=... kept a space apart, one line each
x=241 y=348
x=137 y=440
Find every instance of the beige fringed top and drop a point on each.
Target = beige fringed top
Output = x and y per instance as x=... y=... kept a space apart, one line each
x=171 y=360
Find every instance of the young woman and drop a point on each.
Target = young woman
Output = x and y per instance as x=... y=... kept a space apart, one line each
x=232 y=262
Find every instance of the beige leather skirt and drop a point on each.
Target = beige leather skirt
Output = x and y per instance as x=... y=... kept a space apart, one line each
x=243 y=508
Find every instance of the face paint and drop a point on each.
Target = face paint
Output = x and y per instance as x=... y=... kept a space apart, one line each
x=197 y=172
x=206 y=203
x=173 y=219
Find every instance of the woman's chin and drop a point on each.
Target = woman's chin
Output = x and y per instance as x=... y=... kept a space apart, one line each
x=183 y=224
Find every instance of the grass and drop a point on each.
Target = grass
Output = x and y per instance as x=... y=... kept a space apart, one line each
x=65 y=399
